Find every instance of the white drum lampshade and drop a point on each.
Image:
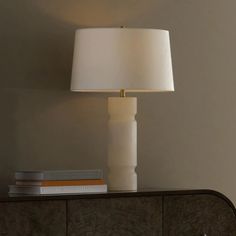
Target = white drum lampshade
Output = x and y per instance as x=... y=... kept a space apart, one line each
x=127 y=60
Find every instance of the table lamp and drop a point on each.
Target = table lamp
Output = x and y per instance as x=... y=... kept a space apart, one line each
x=122 y=60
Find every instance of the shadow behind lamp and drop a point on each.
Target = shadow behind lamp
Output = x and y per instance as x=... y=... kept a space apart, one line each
x=122 y=60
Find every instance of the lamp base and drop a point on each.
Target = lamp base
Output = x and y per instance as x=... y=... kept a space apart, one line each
x=122 y=146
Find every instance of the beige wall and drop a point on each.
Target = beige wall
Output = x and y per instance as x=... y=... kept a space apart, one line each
x=187 y=139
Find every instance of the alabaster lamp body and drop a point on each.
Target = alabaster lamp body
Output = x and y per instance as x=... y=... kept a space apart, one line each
x=122 y=143
x=126 y=60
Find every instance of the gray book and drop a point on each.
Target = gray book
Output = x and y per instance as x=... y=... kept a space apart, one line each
x=58 y=175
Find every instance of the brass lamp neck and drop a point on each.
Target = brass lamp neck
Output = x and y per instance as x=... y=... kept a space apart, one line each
x=122 y=93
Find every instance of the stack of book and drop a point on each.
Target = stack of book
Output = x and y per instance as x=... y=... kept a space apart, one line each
x=58 y=182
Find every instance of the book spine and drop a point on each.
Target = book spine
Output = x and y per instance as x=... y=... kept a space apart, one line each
x=37 y=190
x=96 y=174
x=13 y=189
x=72 y=189
x=59 y=175
x=61 y=182
x=29 y=176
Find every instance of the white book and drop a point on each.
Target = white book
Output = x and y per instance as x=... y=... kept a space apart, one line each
x=38 y=190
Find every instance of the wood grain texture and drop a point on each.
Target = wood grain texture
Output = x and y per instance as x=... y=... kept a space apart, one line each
x=137 y=216
x=47 y=218
x=197 y=215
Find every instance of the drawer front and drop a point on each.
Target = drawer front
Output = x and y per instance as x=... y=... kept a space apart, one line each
x=198 y=215
x=128 y=216
x=36 y=218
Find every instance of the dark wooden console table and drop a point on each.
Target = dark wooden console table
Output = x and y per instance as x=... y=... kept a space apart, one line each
x=142 y=213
